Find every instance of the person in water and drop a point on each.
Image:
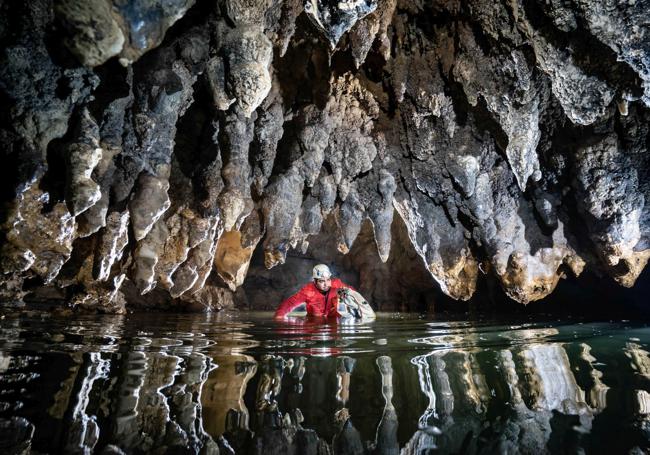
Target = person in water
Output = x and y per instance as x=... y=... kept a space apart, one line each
x=319 y=296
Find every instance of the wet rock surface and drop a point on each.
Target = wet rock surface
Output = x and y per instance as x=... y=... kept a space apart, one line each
x=164 y=154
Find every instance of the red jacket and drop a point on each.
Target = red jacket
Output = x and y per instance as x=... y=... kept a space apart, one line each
x=315 y=300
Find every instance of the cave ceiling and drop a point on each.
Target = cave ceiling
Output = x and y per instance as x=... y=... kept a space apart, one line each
x=151 y=147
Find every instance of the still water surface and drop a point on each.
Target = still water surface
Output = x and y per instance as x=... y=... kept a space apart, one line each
x=224 y=383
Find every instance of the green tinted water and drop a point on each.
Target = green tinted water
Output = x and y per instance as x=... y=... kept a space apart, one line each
x=247 y=384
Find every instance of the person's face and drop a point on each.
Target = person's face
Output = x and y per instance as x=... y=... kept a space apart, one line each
x=323 y=285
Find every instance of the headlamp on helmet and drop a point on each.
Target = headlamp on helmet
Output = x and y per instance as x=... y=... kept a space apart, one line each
x=321 y=272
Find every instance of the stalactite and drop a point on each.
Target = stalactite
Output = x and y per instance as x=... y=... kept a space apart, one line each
x=510 y=134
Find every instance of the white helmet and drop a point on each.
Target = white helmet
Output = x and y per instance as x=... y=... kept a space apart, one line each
x=321 y=272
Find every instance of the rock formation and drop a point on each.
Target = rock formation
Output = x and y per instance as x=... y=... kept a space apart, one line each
x=153 y=148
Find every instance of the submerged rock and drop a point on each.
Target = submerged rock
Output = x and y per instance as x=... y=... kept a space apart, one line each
x=427 y=141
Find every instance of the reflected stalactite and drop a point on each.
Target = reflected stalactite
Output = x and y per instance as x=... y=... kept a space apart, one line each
x=639 y=357
x=269 y=385
x=528 y=430
x=277 y=433
x=222 y=397
x=344 y=368
x=184 y=399
x=441 y=383
x=424 y=438
x=525 y=385
x=83 y=429
x=508 y=369
x=152 y=409
x=167 y=395
x=125 y=413
x=347 y=439
x=551 y=381
x=141 y=409
x=158 y=402
x=297 y=369
x=640 y=363
x=274 y=433
x=62 y=397
x=477 y=390
x=386 y=442
x=597 y=396
x=426 y=385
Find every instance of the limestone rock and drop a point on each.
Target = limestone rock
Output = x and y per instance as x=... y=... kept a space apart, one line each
x=372 y=27
x=194 y=270
x=146 y=257
x=216 y=77
x=611 y=202
x=235 y=199
x=96 y=35
x=232 y=259
x=618 y=26
x=83 y=155
x=104 y=297
x=334 y=18
x=426 y=140
x=40 y=94
x=584 y=97
x=455 y=271
x=114 y=239
x=149 y=204
x=101 y=29
x=40 y=243
x=281 y=212
x=249 y=55
x=247 y=11
x=515 y=94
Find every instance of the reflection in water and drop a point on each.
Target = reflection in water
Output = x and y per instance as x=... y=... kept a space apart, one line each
x=347 y=438
x=210 y=386
x=386 y=440
x=597 y=390
x=84 y=431
x=223 y=392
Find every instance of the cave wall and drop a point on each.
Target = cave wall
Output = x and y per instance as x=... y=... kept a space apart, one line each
x=152 y=149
